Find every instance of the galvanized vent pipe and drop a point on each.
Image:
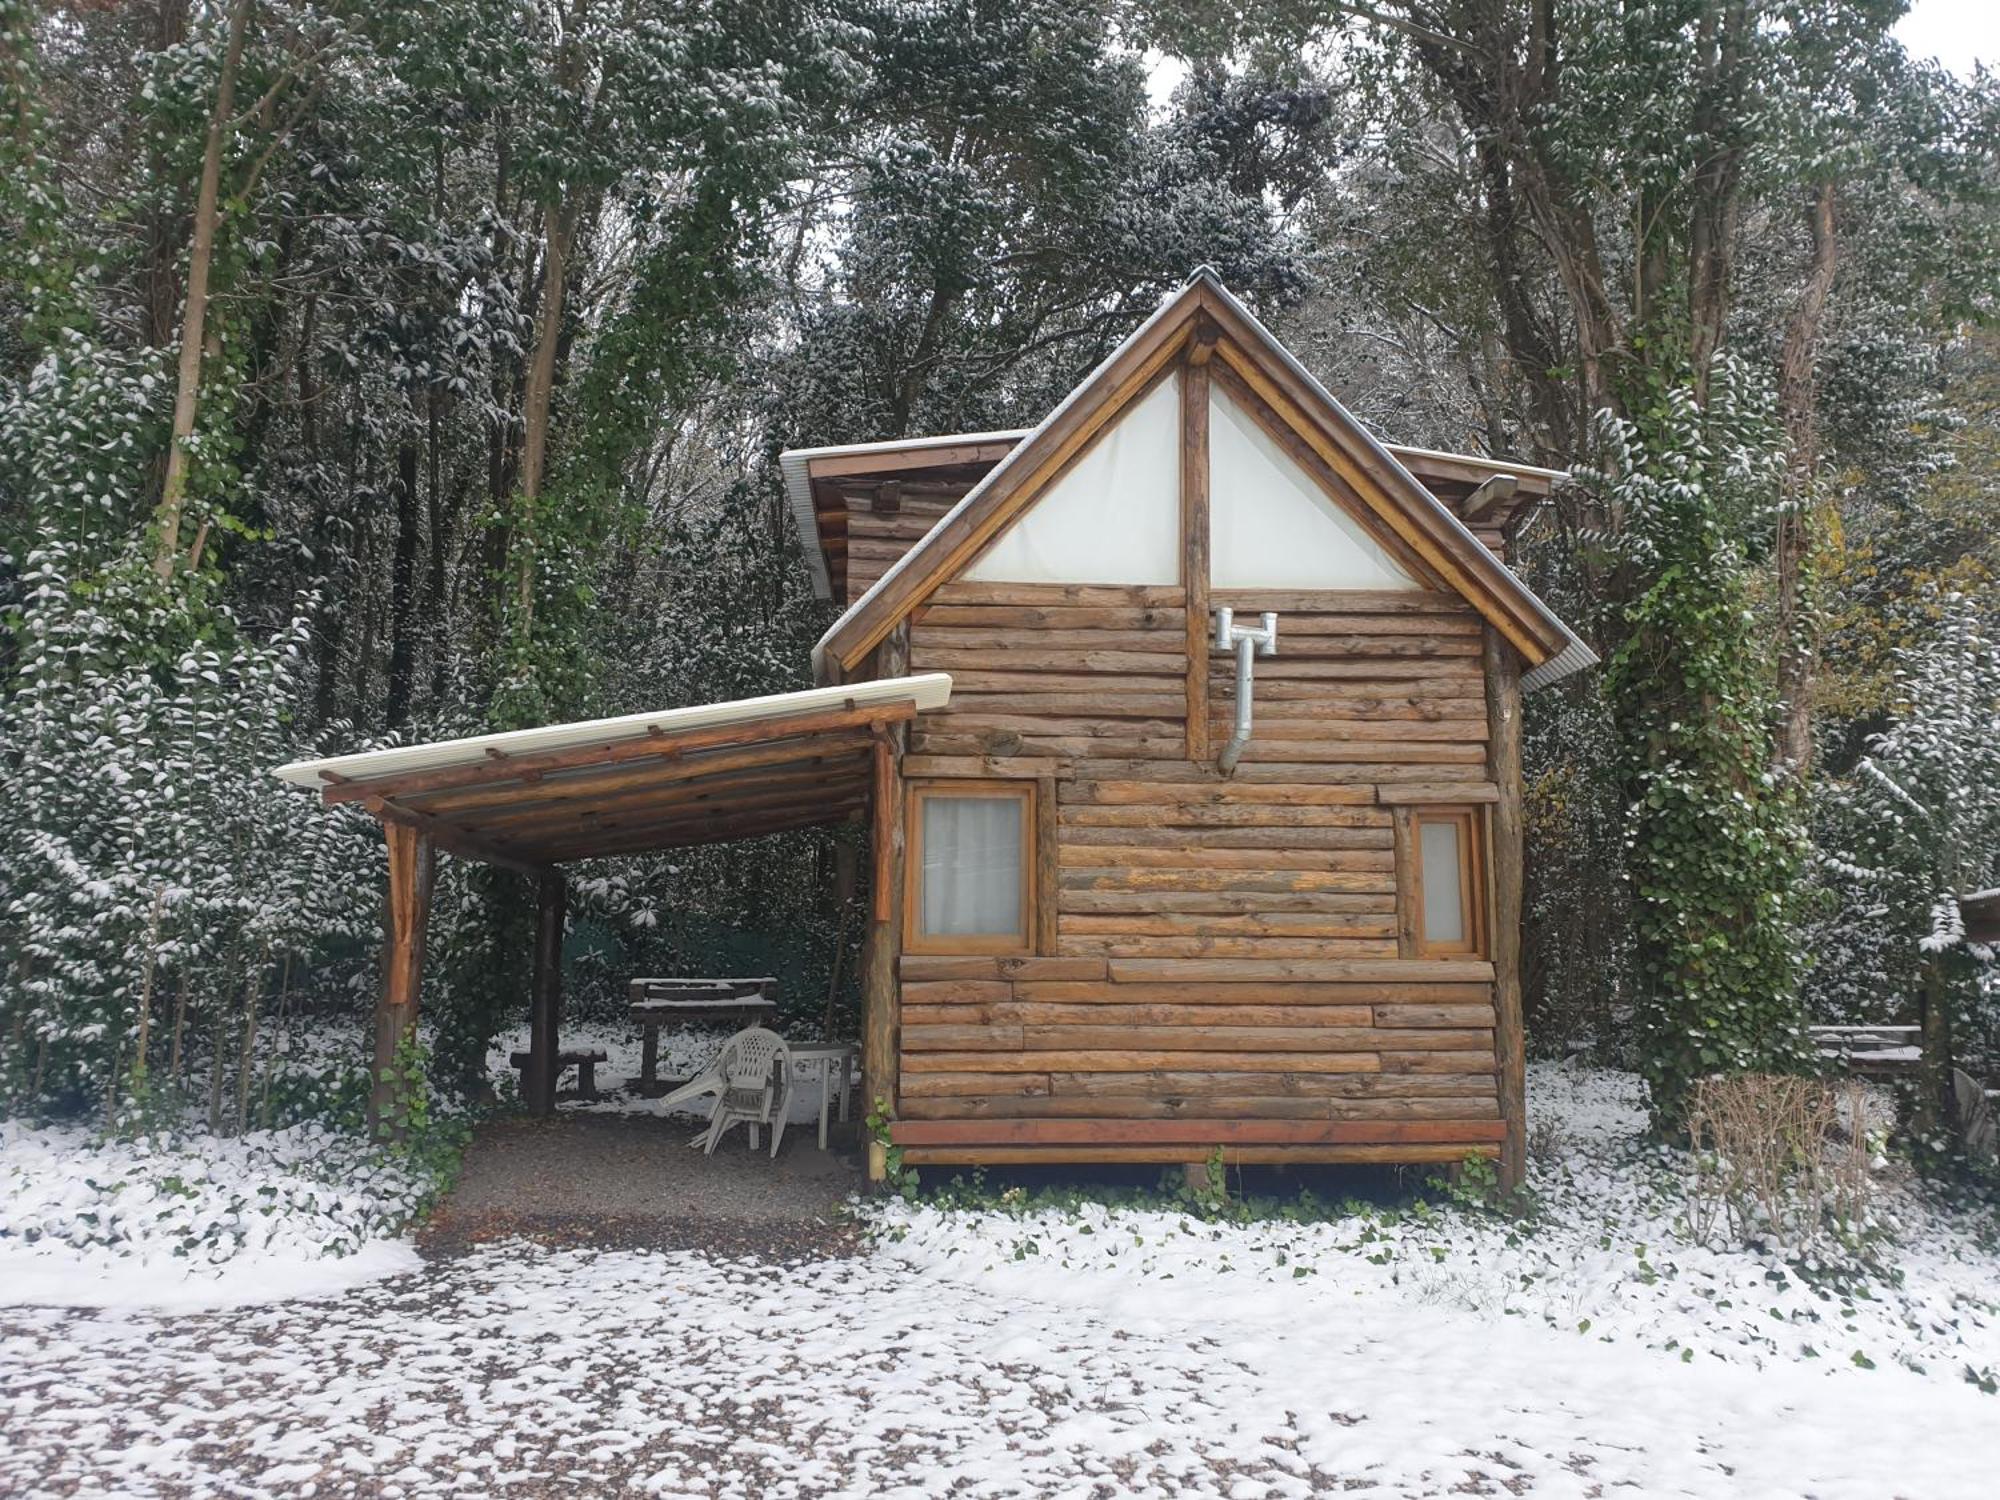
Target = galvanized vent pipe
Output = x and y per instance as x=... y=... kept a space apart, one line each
x=1244 y=640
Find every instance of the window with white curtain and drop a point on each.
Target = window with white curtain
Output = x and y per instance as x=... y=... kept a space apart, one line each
x=972 y=868
x=1450 y=886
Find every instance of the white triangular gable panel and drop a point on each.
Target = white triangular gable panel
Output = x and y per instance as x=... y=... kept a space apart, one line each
x=1115 y=517
x=1271 y=525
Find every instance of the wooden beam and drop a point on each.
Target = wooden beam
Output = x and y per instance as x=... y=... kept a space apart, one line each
x=880 y=993
x=1000 y=1156
x=1195 y=533
x=691 y=771
x=1495 y=489
x=884 y=826
x=1503 y=749
x=1048 y=867
x=906 y=460
x=538 y=1079
x=688 y=834
x=637 y=747
x=451 y=840
x=613 y=816
x=1225 y=1132
x=406 y=919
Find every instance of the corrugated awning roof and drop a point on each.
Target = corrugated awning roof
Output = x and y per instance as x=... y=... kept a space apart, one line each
x=533 y=798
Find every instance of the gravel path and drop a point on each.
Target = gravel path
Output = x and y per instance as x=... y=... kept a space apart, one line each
x=515 y=1369
x=630 y=1180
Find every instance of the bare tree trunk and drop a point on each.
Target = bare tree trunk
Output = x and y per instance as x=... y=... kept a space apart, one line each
x=1935 y=1056
x=180 y=1028
x=283 y=1040
x=1798 y=407
x=403 y=590
x=159 y=279
x=558 y=225
x=246 y=1069
x=201 y=254
x=146 y=987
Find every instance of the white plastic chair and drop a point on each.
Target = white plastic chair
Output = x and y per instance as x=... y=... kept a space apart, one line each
x=709 y=1081
x=756 y=1068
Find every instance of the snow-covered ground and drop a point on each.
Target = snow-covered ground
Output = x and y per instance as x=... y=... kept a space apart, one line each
x=1603 y=1260
x=1072 y=1351
x=193 y=1220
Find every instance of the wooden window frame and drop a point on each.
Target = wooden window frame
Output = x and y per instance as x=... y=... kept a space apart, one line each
x=915 y=940
x=1474 y=883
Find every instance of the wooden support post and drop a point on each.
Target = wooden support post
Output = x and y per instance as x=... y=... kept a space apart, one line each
x=884 y=823
x=538 y=1079
x=1194 y=534
x=406 y=915
x=1048 y=867
x=1503 y=751
x=880 y=987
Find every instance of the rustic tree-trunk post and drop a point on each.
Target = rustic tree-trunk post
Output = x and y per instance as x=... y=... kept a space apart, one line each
x=1194 y=533
x=545 y=1001
x=194 y=315
x=880 y=994
x=1934 y=1058
x=846 y=862
x=412 y=868
x=1503 y=750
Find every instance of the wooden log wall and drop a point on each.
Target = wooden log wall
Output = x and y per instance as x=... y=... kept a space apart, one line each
x=878 y=536
x=1218 y=961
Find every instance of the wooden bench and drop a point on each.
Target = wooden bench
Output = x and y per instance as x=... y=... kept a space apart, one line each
x=1872 y=1051
x=585 y=1064
x=653 y=1003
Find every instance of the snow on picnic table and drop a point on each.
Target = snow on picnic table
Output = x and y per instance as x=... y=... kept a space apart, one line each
x=1084 y=1351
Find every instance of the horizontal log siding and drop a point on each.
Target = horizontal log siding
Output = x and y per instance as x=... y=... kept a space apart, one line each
x=1225 y=969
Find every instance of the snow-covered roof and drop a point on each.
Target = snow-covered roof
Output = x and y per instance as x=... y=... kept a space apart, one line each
x=926 y=690
x=536 y=798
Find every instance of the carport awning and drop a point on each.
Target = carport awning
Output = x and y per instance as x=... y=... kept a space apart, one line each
x=535 y=798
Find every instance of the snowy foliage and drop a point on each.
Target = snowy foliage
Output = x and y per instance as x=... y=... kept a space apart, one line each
x=1713 y=838
x=1916 y=827
x=301 y=1193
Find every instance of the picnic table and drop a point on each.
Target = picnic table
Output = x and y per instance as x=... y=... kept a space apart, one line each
x=653 y=1003
x=1880 y=1051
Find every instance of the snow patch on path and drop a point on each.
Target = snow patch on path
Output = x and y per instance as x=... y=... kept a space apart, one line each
x=673 y=1374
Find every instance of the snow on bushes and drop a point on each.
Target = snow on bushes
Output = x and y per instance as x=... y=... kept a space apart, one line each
x=89 y=1221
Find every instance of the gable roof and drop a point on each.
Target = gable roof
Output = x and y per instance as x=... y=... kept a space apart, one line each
x=812 y=477
x=1421 y=522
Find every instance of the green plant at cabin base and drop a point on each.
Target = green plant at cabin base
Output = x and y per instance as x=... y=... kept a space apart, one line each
x=897 y=1177
x=1474 y=1184
x=428 y=1140
x=1206 y=1189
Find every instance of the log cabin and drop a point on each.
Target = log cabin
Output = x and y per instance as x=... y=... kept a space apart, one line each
x=1188 y=728
x=1217 y=841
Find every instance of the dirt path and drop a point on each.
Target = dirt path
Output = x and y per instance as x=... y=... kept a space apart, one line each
x=631 y=1181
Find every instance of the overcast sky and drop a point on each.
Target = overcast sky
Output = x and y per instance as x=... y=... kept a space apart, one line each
x=1958 y=33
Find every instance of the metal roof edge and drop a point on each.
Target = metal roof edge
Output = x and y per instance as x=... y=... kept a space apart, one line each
x=793 y=464
x=1572 y=659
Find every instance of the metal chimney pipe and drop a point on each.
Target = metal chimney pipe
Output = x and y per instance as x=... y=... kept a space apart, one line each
x=1247 y=641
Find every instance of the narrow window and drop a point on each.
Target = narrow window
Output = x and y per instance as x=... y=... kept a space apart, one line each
x=1448 y=891
x=970 y=886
